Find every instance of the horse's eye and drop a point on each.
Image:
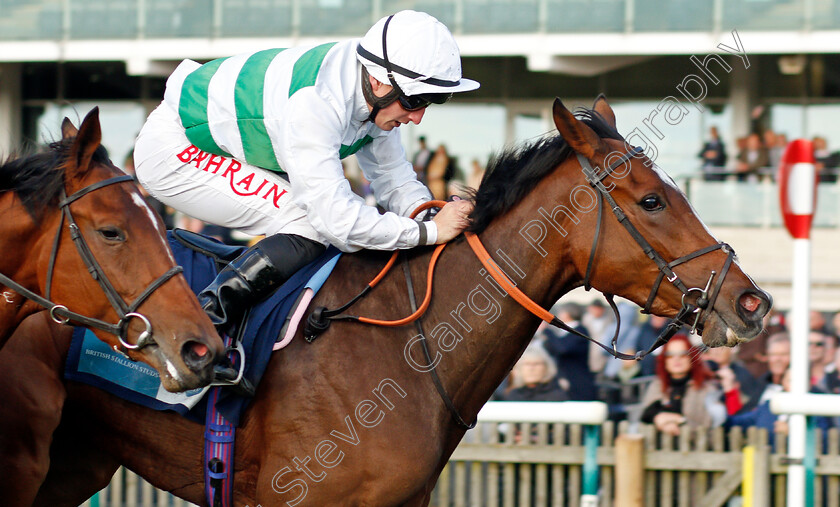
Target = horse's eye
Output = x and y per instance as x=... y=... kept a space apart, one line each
x=652 y=203
x=111 y=233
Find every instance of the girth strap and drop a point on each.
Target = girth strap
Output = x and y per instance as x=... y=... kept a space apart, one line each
x=219 y=443
x=456 y=416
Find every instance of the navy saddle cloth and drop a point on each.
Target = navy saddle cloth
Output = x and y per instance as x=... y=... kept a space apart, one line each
x=93 y=362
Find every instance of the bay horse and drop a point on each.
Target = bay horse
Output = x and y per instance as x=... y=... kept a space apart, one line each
x=354 y=418
x=79 y=239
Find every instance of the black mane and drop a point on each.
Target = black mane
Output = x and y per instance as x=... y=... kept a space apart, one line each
x=38 y=178
x=512 y=174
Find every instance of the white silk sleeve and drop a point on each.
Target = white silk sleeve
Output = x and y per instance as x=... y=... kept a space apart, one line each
x=308 y=148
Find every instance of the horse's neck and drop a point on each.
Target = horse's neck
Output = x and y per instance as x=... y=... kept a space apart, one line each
x=494 y=327
x=25 y=256
x=26 y=243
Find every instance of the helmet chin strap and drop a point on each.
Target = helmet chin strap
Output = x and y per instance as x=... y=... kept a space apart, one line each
x=377 y=103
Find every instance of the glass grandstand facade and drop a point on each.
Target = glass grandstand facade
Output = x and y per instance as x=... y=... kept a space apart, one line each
x=72 y=54
x=121 y=19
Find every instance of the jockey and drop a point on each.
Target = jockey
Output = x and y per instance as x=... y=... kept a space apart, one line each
x=254 y=142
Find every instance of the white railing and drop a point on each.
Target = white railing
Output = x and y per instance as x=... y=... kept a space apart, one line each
x=753 y=202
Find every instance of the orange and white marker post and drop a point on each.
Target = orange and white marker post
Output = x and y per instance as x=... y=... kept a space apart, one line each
x=798 y=194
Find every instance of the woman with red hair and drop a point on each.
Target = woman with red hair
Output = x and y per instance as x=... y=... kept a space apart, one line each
x=684 y=391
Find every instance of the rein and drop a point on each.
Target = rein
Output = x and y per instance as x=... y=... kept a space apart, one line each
x=320 y=318
x=60 y=313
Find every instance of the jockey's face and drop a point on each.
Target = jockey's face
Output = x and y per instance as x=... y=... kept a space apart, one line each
x=393 y=115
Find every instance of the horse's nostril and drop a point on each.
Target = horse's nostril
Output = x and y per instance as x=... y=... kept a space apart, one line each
x=750 y=302
x=199 y=349
x=196 y=355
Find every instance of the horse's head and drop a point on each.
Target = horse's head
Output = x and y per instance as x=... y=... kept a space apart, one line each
x=644 y=225
x=135 y=280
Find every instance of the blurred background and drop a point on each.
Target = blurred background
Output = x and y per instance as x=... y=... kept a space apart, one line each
x=62 y=57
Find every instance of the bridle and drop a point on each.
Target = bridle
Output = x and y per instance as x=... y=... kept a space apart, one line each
x=60 y=313
x=320 y=318
x=705 y=299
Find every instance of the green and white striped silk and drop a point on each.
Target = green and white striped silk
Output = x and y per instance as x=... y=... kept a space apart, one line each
x=239 y=88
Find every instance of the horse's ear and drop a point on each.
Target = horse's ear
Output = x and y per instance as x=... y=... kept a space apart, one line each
x=580 y=137
x=603 y=108
x=87 y=141
x=68 y=129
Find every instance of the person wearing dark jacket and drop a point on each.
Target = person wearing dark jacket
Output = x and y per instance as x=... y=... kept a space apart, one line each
x=713 y=154
x=762 y=417
x=571 y=353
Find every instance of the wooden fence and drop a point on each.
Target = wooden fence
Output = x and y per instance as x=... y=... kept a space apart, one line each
x=127 y=489
x=540 y=464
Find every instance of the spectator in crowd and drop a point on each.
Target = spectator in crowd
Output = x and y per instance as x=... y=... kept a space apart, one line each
x=762 y=417
x=221 y=233
x=597 y=319
x=714 y=156
x=465 y=189
x=649 y=332
x=683 y=391
x=740 y=388
x=826 y=160
x=758 y=119
x=188 y=223
x=775 y=149
x=817 y=321
x=778 y=361
x=627 y=341
x=830 y=351
x=818 y=356
x=753 y=354
x=774 y=321
x=751 y=159
x=438 y=172
x=454 y=177
x=831 y=381
x=476 y=174
x=501 y=392
x=740 y=146
x=571 y=353
x=834 y=326
x=421 y=159
x=533 y=377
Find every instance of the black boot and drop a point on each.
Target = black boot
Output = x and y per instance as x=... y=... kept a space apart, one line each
x=244 y=281
x=251 y=277
x=254 y=275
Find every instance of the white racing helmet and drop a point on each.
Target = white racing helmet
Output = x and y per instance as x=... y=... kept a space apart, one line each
x=416 y=54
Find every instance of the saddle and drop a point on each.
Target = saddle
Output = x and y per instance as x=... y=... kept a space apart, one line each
x=222 y=253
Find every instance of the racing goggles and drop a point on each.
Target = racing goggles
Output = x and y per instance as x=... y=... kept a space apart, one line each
x=421 y=101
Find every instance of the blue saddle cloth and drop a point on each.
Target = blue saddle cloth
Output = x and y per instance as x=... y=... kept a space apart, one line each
x=92 y=362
